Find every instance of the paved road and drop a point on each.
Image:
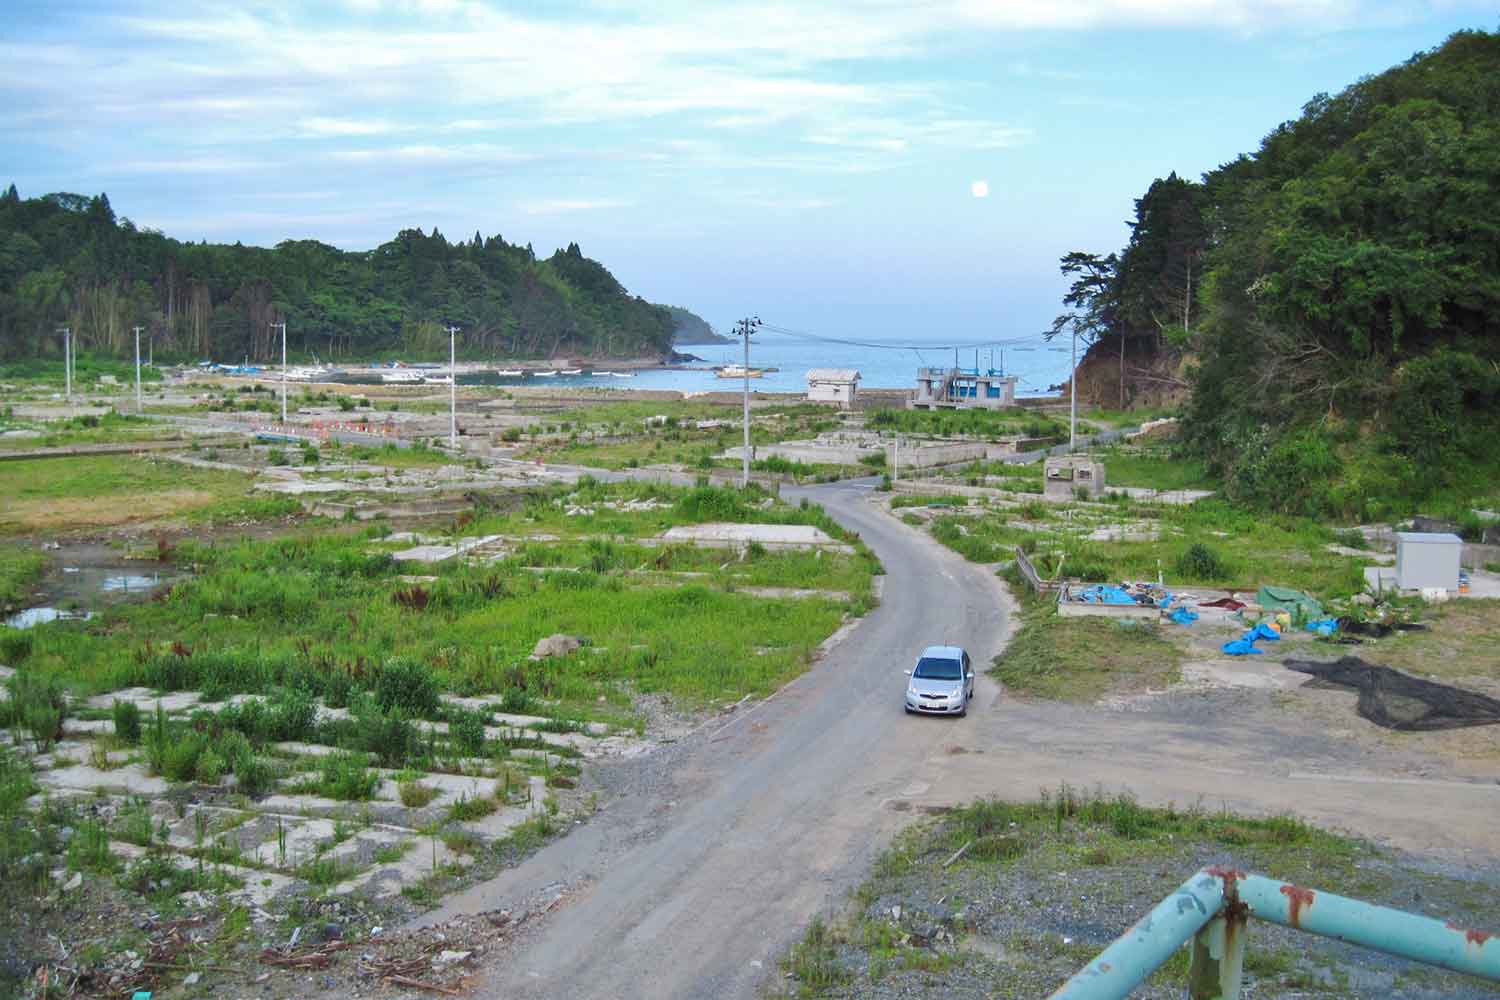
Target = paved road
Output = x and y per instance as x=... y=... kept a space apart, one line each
x=694 y=891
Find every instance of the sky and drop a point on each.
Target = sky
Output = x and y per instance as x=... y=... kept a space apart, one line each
x=897 y=169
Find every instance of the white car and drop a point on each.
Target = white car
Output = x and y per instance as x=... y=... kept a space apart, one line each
x=942 y=682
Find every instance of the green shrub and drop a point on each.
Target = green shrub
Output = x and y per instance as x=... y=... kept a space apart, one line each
x=408 y=686
x=1200 y=562
x=180 y=762
x=39 y=705
x=466 y=731
x=515 y=700
x=210 y=767
x=345 y=776
x=252 y=775
x=276 y=457
x=415 y=795
x=127 y=719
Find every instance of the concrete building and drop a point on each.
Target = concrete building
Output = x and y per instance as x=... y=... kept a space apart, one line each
x=1064 y=475
x=963 y=388
x=833 y=385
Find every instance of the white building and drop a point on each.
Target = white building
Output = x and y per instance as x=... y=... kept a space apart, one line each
x=832 y=385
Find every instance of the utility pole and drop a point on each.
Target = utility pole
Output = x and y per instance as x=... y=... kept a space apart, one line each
x=67 y=333
x=744 y=328
x=139 y=406
x=1073 y=397
x=452 y=388
x=282 y=325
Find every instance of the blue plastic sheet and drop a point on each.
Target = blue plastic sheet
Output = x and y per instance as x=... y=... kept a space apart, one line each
x=1104 y=593
x=1183 y=616
x=1240 y=647
x=1262 y=631
x=1323 y=626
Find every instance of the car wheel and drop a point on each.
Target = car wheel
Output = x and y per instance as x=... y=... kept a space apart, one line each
x=908 y=709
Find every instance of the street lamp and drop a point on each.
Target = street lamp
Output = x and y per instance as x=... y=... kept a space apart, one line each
x=282 y=325
x=67 y=333
x=452 y=389
x=140 y=407
x=744 y=327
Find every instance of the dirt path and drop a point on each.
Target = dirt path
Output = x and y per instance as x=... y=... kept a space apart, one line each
x=709 y=859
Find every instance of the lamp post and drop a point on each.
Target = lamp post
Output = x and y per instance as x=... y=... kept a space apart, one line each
x=452 y=389
x=67 y=333
x=140 y=407
x=1073 y=397
x=282 y=325
x=744 y=327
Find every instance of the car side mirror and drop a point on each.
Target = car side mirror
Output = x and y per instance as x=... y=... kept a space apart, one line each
x=971 y=675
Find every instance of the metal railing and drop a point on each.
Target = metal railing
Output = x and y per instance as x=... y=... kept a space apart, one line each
x=1213 y=908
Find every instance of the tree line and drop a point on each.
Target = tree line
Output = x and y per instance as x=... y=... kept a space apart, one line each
x=65 y=259
x=1336 y=294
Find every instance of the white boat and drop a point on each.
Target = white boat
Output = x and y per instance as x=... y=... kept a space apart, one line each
x=510 y=373
x=544 y=374
x=401 y=377
x=438 y=379
x=571 y=371
x=304 y=374
x=738 y=371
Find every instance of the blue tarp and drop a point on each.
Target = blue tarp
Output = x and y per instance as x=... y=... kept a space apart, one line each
x=1104 y=593
x=1240 y=647
x=1323 y=626
x=1262 y=631
x=1183 y=616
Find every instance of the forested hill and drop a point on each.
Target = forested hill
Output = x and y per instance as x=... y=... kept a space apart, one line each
x=66 y=259
x=694 y=329
x=1335 y=296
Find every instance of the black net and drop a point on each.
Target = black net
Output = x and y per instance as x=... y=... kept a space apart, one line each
x=1395 y=700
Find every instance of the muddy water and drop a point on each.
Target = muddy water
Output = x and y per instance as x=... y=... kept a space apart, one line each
x=85 y=578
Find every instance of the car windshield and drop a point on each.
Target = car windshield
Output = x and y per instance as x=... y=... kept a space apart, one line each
x=935 y=669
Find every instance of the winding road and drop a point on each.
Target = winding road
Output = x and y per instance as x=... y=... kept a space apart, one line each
x=696 y=877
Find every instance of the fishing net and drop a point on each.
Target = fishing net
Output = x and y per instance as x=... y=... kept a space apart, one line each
x=1395 y=700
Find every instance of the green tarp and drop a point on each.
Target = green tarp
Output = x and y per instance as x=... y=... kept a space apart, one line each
x=1294 y=602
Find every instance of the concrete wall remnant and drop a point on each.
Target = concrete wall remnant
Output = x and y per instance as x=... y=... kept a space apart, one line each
x=1063 y=476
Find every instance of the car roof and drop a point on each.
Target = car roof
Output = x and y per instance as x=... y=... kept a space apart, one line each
x=943 y=652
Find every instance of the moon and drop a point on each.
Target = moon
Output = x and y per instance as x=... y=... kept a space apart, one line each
x=981 y=189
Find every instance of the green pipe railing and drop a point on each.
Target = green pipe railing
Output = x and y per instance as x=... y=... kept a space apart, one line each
x=1212 y=910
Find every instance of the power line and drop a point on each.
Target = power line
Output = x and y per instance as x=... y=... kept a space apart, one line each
x=972 y=345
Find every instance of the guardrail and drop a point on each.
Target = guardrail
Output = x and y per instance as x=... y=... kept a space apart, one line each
x=1213 y=909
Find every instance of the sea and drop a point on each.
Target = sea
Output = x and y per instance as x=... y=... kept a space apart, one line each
x=1039 y=369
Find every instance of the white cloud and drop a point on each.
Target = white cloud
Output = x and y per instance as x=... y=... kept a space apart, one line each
x=555 y=206
x=980 y=189
x=338 y=127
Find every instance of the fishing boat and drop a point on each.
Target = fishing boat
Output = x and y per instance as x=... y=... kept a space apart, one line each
x=401 y=377
x=738 y=371
x=510 y=373
x=308 y=374
x=571 y=371
x=438 y=379
x=544 y=374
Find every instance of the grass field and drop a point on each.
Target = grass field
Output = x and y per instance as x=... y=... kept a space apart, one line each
x=58 y=494
x=988 y=425
x=1082 y=659
x=1043 y=886
x=105 y=428
x=1152 y=467
x=1249 y=549
x=324 y=612
x=19 y=570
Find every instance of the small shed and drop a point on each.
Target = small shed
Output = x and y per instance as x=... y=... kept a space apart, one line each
x=833 y=385
x=1427 y=560
x=1063 y=476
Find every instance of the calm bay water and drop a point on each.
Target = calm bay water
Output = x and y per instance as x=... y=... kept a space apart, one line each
x=881 y=368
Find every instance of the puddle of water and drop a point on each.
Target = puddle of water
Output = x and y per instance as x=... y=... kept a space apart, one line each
x=40 y=616
x=128 y=583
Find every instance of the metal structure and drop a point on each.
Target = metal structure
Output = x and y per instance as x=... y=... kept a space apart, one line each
x=273 y=326
x=67 y=333
x=140 y=407
x=452 y=388
x=744 y=328
x=1212 y=909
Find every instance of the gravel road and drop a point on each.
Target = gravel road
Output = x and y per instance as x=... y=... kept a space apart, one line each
x=710 y=856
